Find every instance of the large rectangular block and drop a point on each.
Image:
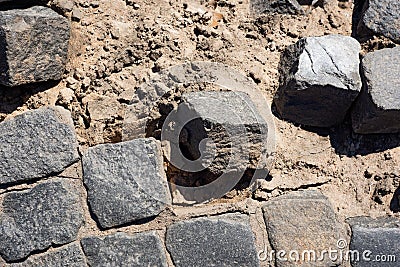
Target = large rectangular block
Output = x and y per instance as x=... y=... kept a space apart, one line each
x=37 y=144
x=126 y=181
x=33 y=45
x=319 y=80
x=377 y=110
x=375 y=242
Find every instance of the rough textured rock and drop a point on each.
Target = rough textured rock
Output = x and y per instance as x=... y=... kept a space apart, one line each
x=229 y=120
x=225 y=240
x=67 y=256
x=31 y=220
x=126 y=182
x=301 y=221
x=33 y=45
x=376 y=241
x=319 y=80
x=276 y=6
x=36 y=144
x=377 y=110
x=380 y=17
x=120 y=249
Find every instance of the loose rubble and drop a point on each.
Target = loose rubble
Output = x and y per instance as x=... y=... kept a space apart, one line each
x=37 y=144
x=319 y=80
x=377 y=110
x=33 y=45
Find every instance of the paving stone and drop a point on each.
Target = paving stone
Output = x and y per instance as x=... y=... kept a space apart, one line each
x=37 y=144
x=120 y=249
x=33 y=45
x=32 y=220
x=225 y=240
x=379 y=17
x=319 y=80
x=126 y=181
x=377 y=110
x=230 y=121
x=276 y=6
x=67 y=256
x=376 y=241
x=301 y=221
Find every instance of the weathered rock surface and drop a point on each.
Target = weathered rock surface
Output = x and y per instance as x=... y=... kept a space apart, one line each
x=377 y=110
x=120 y=249
x=126 y=181
x=319 y=80
x=276 y=6
x=301 y=221
x=33 y=45
x=31 y=220
x=376 y=241
x=67 y=256
x=217 y=241
x=379 y=17
x=230 y=121
x=37 y=144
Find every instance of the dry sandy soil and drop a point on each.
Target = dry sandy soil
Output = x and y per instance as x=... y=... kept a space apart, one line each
x=118 y=44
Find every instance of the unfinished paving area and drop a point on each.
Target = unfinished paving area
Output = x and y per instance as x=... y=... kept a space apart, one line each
x=88 y=133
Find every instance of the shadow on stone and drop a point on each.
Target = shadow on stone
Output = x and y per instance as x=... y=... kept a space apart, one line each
x=11 y=98
x=394 y=202
x=17 y=4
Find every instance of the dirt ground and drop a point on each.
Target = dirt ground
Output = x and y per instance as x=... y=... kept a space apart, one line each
x=118 y=44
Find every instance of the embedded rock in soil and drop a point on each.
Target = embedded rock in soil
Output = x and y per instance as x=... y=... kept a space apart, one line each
x=225 y=240
x=301 y=221
x=374 y=238
x=223 y=131
x=276 y=6
x=319 y=80
x=378 y=17
x=70 y=255
x=31 y=220
x=33 y=45
x=37 y=144
x=377 y=110
x=120 y=249
x=126 y=181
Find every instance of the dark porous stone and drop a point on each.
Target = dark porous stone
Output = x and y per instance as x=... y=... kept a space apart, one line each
x=33 y=45
x=225 y=240
x=319 y=80
x=375 y=242
x=377 y=110
x=37 y=144
x=32 y=220
x=120 y=249
x=126 y=181
x=302 y=221
x=67 y=256
x=378 y=17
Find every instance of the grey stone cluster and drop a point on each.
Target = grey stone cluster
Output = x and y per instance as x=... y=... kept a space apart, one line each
x=320 y=84
x=22 y=32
